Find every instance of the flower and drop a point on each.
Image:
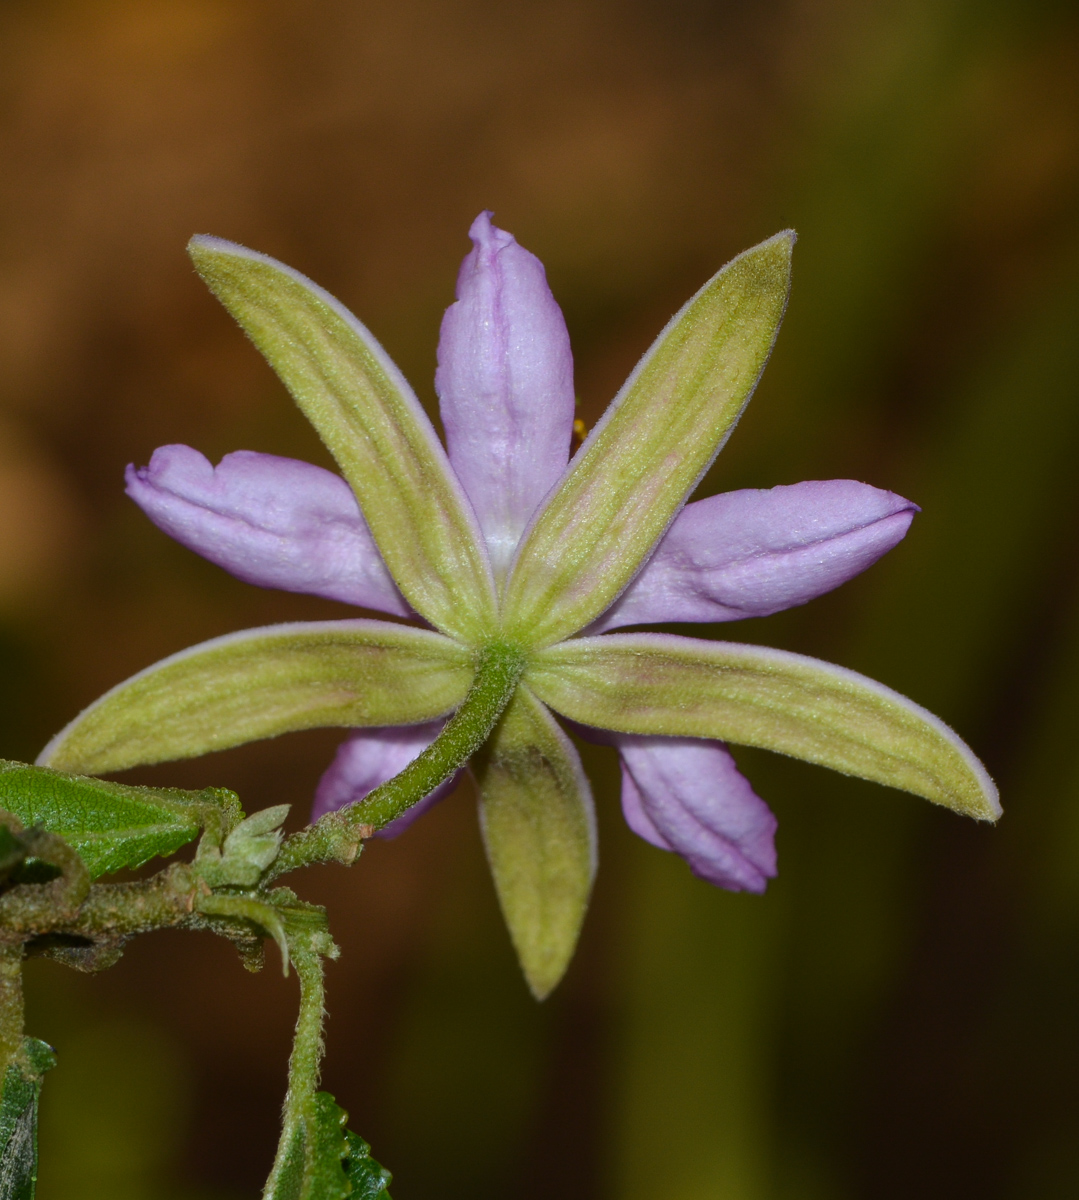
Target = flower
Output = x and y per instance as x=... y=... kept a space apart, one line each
x=514 y=564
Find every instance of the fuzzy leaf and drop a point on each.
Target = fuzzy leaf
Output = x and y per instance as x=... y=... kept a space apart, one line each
x=755 y=696
x=327 y=1161
x=18 y=1120
x=373 y=425
x=264 y=682
x=540 y=833
x=110 y=825
x=368 y=1179
x=650 y=450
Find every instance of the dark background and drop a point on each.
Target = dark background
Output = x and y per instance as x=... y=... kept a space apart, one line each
x=899 y=1016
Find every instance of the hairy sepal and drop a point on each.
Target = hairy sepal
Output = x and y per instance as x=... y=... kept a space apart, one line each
x=539 y=830
x=754 y=696
x=373 y=425
x=650 y=450
x=264 y=682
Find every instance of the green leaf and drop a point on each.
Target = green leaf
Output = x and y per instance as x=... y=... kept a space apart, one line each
x=110 y=825
x=540 y=833
x=287 y=1181
x=755 y=696
x=326 y=1161
x=650 y=450
x=264 y=682
x=373 y=425
x=369 y=1180
x=18 y=1120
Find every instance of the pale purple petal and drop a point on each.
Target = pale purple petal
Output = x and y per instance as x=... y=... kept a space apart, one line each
x=637 y=817
x=505 y=385
x=370 y=757
x=755 y=552
x=271 y=521
x=687 y=795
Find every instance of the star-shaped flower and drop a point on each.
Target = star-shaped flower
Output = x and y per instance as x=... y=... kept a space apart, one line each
x=513 y=563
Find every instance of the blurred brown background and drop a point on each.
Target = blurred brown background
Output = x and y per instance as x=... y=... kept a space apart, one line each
x=900 y=1014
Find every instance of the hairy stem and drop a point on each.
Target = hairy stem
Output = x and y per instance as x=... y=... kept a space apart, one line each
x=298 y=1126
x=12 y=1012
x=123 y=909
x=31 y=907
x=337 y=836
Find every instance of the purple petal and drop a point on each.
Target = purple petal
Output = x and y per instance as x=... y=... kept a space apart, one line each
x=505 y=385
x=687 y=795
x=270 y=521
x=370 y=757
x=755 y=552
x=637 y=817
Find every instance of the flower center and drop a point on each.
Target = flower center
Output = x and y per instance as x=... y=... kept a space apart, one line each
x=499 y=667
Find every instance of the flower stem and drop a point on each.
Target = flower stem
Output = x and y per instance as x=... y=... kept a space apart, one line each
x=496 y=679
x=338 y=836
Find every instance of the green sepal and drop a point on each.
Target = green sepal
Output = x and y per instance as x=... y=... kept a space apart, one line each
x=650 y=449
x=261 y=683
x=18 y=1120
x=539 y=830
x=112 y=825
x=338 y=836
x=327 y=1161
x=373 y=425
x=652 y=683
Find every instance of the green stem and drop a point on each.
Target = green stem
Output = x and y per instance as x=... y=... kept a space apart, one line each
x=337 y=836
x=12 y=1011
x=299 y=1123
x=35 y=907
x=120 y=910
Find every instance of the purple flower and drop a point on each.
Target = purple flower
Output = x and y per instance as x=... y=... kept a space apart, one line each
x=501 y=541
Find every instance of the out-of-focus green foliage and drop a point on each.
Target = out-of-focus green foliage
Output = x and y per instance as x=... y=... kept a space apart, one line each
x=115 y=1108
x=875 y=1031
